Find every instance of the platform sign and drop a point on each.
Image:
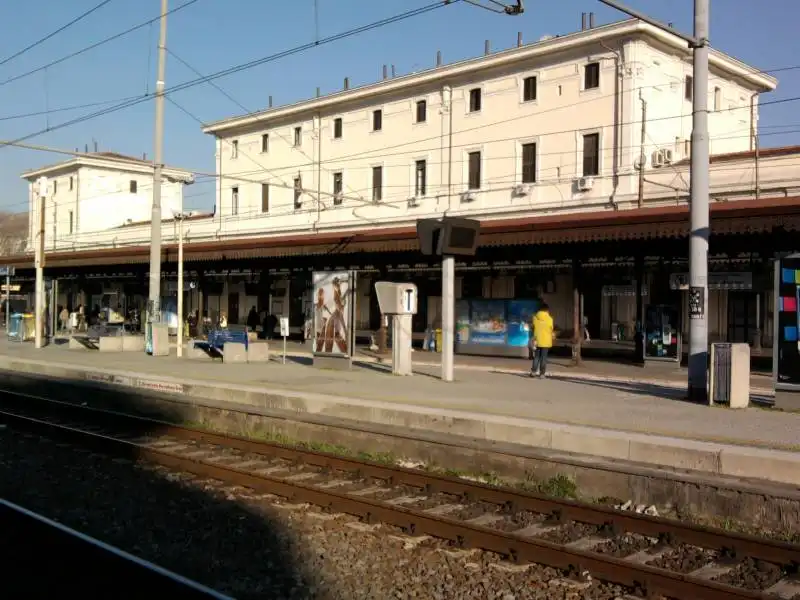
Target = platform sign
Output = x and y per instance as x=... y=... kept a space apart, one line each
x=786 y=324
x=284 y=323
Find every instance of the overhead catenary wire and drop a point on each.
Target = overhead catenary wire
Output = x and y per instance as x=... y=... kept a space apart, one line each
x=251 y=64
x=52 y=34
x=93 y=46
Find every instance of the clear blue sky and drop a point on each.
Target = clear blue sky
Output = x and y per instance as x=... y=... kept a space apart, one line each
x=213 y=34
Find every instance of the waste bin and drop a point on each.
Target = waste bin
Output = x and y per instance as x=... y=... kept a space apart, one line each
x=729 y=379
x=438 y=340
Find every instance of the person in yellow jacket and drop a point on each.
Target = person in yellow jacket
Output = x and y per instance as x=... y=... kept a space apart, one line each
x=543 y=340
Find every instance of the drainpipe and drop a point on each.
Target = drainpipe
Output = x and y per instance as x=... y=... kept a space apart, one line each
x=447 y=97
x=219 y=169
x=642 y=157
x=619 y=63
x=319 y=171
x=754 y=145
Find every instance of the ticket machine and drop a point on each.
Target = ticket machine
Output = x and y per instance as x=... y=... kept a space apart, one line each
x=399 y=300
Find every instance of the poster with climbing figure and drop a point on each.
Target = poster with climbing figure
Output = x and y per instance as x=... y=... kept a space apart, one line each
x=334 y=305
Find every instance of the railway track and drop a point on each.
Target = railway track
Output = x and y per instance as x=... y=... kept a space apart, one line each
x=650 y=555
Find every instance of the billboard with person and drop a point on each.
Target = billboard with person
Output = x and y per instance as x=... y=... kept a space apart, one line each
x=334 y=306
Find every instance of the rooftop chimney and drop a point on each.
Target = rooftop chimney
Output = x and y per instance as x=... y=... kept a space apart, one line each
x=438 y=58
x=393 y=72
x=347 y=83
x=487 y=48
x=95 y=145
x=591 y=20
x=317 y=91
x=583 y=21
x=270 y=101
x=385 y=72
x=86 y=149
x=519 y=39
x=144 y=155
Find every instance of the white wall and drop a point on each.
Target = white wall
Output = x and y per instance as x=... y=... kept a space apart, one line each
x=89 y=212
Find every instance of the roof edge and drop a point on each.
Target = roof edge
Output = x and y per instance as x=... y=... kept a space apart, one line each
x=558 y=44
x=118 y=164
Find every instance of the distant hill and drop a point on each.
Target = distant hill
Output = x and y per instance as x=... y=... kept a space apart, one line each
x=13 y=233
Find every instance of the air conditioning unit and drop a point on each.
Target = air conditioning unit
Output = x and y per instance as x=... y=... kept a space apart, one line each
x=668 y=156
x=585 y=184
x=468 y=196
x=657 y=159
x=413 y=202
x=521 y=190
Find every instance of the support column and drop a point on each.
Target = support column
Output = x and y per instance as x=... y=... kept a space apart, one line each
x=576 y=313
x=448 y=316
x=638 y=336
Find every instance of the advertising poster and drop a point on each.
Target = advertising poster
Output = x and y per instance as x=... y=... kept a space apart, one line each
x=488 y=326
x=787 y=323
x=462 y=322
x=333 y=312
x=520 y=317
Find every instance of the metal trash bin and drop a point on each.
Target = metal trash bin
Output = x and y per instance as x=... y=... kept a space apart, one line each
x=729 y=379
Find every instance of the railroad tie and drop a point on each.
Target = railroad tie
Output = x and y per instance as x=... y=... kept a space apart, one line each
x=784 y=589
x=711 y=571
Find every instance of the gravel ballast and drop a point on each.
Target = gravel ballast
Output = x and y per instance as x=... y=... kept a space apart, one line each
x=254 y=546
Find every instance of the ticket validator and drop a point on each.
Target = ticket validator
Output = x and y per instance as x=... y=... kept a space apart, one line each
x=399 y=300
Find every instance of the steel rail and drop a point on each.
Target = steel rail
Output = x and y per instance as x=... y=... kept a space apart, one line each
x=730 y=543
x=653 y=580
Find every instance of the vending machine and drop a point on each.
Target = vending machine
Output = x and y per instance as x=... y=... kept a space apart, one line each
x=662 y=333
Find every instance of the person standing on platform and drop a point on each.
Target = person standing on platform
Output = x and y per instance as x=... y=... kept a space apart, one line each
x=543 y=339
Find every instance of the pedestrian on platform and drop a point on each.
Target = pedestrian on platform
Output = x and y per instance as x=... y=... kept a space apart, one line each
x=543 y=338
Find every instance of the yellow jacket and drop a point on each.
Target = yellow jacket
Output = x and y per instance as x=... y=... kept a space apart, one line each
x=543 y=329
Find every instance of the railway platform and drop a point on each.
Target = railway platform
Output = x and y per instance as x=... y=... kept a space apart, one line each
x=593 y=411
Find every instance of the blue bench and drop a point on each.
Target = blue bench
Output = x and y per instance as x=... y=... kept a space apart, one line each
x=217 y=338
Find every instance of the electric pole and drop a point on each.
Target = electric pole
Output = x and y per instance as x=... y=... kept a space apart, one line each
x=39 y=307
x=699 y=221
x=155 y=223
x=699 y=211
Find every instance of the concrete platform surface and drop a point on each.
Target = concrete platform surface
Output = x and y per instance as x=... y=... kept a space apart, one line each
x=640 y=422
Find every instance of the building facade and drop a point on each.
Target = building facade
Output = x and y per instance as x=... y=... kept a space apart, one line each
x=93 y=196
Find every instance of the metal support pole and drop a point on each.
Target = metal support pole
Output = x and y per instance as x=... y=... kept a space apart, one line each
x=155 y=222
x=180 y=282
x=448 y=316
x=39 y=305
x=8 y=299
x=699 y=212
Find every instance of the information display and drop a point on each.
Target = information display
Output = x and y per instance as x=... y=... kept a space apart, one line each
x=787 y=323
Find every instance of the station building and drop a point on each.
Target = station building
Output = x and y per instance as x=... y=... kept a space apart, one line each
x=541 y=142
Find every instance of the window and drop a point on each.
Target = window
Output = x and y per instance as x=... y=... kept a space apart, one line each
x=688 y=88
x=420 y=178
x=133 y=186
x=234 y=200
x=55 y=187
x=377 y=120
x=474 y=170
x=475 y=100
x=298 y=137
x=298 y=190
x=591 y=154
x=529 y=89
x=71 y=183
x=71 y=222
x=377 y=184
x=338 y=184
x=264 y=197
x=591 y=76
x=529 y=163
x=235 y=149
x=337 y=128
x=422 y=111
x=265 y=143
x=717 y=98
